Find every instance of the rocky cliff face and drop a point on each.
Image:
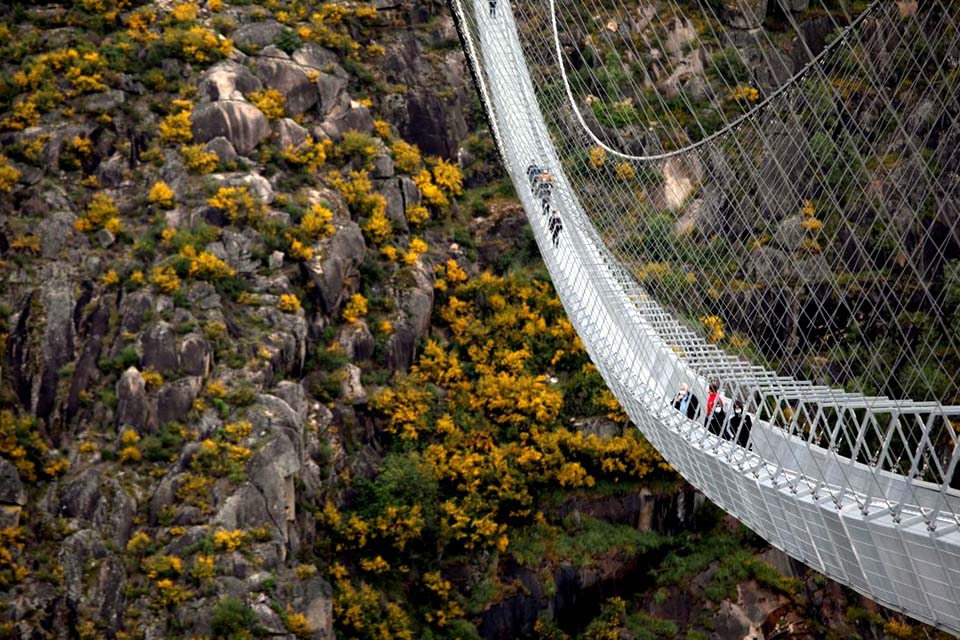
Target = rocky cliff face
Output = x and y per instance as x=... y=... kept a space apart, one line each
x=157 y=359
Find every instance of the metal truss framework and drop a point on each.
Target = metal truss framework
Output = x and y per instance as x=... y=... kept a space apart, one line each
x=853 y=485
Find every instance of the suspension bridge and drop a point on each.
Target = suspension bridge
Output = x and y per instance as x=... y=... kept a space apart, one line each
x=709 y=230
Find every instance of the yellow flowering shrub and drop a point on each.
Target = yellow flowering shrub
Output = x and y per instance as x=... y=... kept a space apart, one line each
x=139 y=25
x=161 y=195
x=810 y=245
x=355 y=308
x=431 y=193
x=197 y=43
x=375 y=565
x=152 y=380
x=455 y=273
x=309 y=155
x=289 y=303
x=21 y=444
x=205 y=265
x=315 y=225
x=29 y=243
x=382 y=129
x=11 y=545
x=598 y=155
x=270 y=101
x=296 y=623
x=110 y=278
x=129 y=454
x=714 y=328
x=417 y=248
x=139 y=543
x=204 y=567
x=197 y=159
x=228 y=540
x=417 y=215
x=448 y=177
x=24 y=114
x=171 y=594
x=300 y=251
x=216 y=389
x=356 y=191
x=102 y=212
x=185 y=12
x=359 y=608
x=744 y=93
x=175 y=128
x=8 y=176
x=165 y=278
x=239 y=204
x=406 y=157
x=625 y=171
x=377 y=227
x=161 y=566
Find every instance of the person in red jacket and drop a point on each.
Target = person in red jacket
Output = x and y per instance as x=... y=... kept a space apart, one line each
x=715 y=417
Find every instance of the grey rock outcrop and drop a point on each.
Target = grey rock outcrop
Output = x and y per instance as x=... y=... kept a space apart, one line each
x=278 y=72
x=96 y=502
x=228 y=80
x=339 y=261
x=744 y=14
x=159 y=348
x=132 y=405
x=329 y=90
x=175 y=399
x=288 y=133
x=417 y=300
x=356 y=341
x=241 y=123
x=12 y=495
x=224 y=150
x=11 y=489
x=196 y=356
x=41 y=343
x=257 y=35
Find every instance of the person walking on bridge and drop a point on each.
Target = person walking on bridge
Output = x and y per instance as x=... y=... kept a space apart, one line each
x=738 y=429
x=493 y=8
x=544 y=190
x=556 y=226
x=715 y=417
x=686 y=402
x=533 y=172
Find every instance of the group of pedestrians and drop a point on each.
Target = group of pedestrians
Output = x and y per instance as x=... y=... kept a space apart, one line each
x=735 y=427
x=542 y=185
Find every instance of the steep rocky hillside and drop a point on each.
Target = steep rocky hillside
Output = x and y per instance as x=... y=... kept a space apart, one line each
x=279 y=359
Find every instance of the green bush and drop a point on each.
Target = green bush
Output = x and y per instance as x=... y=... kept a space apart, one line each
x=232 y=619
x=127 y=358
x=164 y=445
x=727 y=65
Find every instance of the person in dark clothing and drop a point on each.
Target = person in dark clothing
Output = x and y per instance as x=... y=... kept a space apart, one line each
x=556 y=226
x=544 y=190
x=533 y=172
x=738 y=428
x=493 y=8
x=686 y=402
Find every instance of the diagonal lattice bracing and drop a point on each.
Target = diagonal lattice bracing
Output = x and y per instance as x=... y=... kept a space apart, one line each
x=773 y=208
